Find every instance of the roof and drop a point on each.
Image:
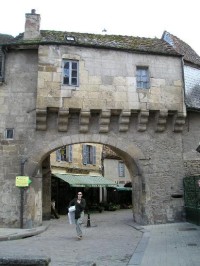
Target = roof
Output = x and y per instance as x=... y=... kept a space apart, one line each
x=5 y=38
x=116 y=42
x=192 y=98
x=86 y=180
x=182 y=48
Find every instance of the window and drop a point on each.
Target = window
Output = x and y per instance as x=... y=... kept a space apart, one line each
x=89 y=154
x=9 y=133
x=142 y=78
x=121 y=169
x=64 y=154
x=70 y=72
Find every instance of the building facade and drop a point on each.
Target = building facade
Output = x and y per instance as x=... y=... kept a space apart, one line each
x=64 y=88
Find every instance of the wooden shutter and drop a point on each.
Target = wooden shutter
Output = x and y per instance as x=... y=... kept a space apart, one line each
x=121 y=169
x=94 y=155
x=70 y=153
x=84 y=154
x=58 y=155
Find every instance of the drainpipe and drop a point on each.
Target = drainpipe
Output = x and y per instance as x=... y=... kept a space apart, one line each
x=23 y=161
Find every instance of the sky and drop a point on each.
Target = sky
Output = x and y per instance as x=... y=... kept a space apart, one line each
x=142 y=18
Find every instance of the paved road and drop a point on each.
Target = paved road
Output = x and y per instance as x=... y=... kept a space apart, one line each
x=110 y=241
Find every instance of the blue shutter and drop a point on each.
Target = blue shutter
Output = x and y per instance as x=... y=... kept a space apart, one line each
x=94 y=155
x=121 y=169
x=84 y=154
x=58 y=155
x=70 y=153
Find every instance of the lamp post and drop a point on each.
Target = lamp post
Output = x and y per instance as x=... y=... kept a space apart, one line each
x=22 y=195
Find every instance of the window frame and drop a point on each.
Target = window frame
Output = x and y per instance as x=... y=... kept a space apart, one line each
x=89 y=154
x=140 y=83
x=121 y=169
x=67 y=154
x=70 y=62
x=6 y=133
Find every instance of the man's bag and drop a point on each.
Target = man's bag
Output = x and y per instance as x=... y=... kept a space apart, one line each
x=71 y=217
x=72 y=208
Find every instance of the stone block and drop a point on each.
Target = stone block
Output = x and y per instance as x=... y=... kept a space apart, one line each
x=32 y=260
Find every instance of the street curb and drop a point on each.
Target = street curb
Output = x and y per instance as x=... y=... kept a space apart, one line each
x=140 y=249
x=23 y=233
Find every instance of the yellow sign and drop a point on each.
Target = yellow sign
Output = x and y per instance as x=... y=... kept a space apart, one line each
x=22 y=181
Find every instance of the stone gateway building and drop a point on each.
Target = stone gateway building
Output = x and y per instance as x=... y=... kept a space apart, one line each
x=63 y=88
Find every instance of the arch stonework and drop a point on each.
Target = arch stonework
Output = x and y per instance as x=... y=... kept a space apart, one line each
x=129 y=152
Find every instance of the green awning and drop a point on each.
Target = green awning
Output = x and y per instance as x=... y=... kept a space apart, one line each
x=124 y=188
x=86 y=180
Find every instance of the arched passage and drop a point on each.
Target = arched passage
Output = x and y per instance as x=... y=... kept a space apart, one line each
x=129 y=152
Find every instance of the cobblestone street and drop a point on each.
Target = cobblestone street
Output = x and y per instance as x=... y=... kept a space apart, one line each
x=110 y=241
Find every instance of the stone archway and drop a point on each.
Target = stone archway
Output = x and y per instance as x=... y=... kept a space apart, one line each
x=129 y=152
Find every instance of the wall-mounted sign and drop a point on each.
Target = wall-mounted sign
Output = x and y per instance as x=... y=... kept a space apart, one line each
x=22 y=181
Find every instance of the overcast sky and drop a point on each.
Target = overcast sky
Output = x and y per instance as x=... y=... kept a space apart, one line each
x=143 y=18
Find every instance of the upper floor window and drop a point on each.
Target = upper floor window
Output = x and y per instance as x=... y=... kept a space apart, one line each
x=89 y=154
x=70 y=72
x=64 y=154
x=121 y=169
x=9 y=133
x=142 y=78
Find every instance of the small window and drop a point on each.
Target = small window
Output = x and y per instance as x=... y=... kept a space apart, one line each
x=64 y=154
x=70 y=73
x=142 y=78
x=89 y=154
x=121 y=169
x=9 y=134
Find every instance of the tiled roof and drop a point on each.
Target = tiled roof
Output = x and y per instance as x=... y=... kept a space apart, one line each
x=117 y=42
x=192 y=98
x=182 y=48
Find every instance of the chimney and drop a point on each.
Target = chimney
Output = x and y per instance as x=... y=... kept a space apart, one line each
x=32 y=25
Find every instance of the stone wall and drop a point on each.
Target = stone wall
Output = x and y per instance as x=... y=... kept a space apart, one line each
x=108 y=80
x=143 y=127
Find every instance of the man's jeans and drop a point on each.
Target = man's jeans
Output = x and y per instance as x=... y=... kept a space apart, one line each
x=78 y=223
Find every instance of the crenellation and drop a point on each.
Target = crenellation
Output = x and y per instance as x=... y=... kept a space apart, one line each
x=124 y=120
x=104 y=121
x=143 y=118
x=179 y=121
x=161 y=120
x=63 y=117
x=84 y=120
x=41 y=119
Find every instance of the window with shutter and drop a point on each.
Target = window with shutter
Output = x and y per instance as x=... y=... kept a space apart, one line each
x=89 y=154
x=94 y=155
x=84 y=154
x=142 y=77
x=63 y=153
x=70 y=153
x=58 y=155
x=121 y=169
